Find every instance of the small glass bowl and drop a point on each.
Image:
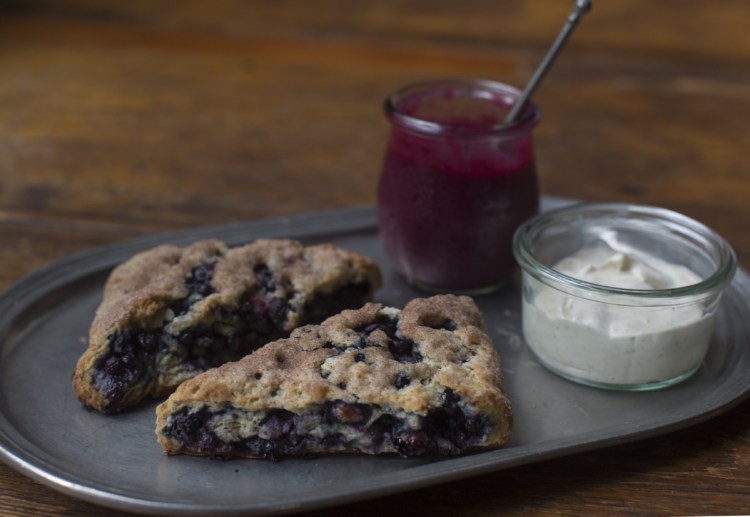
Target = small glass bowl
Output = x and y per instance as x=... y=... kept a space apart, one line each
x=614 y=337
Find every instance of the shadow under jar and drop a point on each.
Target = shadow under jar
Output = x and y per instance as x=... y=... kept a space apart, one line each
x=456 y=183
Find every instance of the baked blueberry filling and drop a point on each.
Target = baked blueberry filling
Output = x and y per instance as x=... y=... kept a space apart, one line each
x=324 y=305
x=445 y=325
x=200 y=279
x=402 y=349
x=129 y=360
x=198 y=285
x=264 y=277
x=348 y=413
x=190 y=428
x=401 y=381
x=336 y=426
x=133 y=354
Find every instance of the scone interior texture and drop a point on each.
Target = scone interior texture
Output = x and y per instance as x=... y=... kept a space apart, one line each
x=419 y=382
x=171 y=313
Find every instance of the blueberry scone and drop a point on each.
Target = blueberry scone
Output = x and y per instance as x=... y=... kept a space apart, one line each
x=171 y=313
x=425 y=381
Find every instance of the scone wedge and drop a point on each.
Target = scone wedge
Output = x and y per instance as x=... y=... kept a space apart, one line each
x=425 y=381
x=170 y=313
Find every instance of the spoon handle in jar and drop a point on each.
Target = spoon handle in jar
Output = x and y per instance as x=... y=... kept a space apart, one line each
x=580 y=8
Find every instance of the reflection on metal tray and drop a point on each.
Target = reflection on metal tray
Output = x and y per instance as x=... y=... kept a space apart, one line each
x=115 y=460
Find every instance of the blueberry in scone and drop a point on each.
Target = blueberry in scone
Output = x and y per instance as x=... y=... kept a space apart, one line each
x=425 y=381
x=171 y=313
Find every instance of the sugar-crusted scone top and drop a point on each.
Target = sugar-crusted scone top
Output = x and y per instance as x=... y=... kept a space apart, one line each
x=137 y=290
x=440 y=346
x=169 y=292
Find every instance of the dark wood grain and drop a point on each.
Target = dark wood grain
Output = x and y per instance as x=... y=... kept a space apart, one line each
x=124 y=118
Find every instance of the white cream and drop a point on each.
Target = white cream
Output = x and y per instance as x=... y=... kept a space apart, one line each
x=616 y=344
x=624 y=268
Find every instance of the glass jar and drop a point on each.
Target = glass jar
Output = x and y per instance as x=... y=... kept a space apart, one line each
x=620 y=296
x=456 y=183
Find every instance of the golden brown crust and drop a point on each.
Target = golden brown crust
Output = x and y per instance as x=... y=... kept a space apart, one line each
x=140 y=292
x=328 y=362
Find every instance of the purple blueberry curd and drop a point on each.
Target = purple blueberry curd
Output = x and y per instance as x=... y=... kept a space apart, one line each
x=456 y=183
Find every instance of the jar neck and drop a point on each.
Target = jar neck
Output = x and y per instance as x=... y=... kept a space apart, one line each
x=467 y=109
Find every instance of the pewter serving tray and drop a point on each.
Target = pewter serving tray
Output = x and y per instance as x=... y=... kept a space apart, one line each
x=115 y=461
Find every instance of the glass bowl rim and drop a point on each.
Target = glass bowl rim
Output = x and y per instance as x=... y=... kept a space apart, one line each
x=715 y=282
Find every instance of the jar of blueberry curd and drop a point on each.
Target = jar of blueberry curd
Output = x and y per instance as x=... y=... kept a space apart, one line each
x=456 y=183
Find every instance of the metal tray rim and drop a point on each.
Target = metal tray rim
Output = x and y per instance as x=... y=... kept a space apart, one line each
x=16 y=297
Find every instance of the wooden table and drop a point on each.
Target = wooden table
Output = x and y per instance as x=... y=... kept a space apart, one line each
x=121 y=119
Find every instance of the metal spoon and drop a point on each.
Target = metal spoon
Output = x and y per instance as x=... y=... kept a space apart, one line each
x=580 y=8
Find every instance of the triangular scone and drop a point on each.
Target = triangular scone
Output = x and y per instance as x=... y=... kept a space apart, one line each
x=422 y=381
x=171 y=313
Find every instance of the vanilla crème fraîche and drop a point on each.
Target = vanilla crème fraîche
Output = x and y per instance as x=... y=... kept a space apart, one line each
x=617 y=343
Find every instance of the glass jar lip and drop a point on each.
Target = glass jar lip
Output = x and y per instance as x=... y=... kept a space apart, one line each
x=721 y=276
x=529 y=118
